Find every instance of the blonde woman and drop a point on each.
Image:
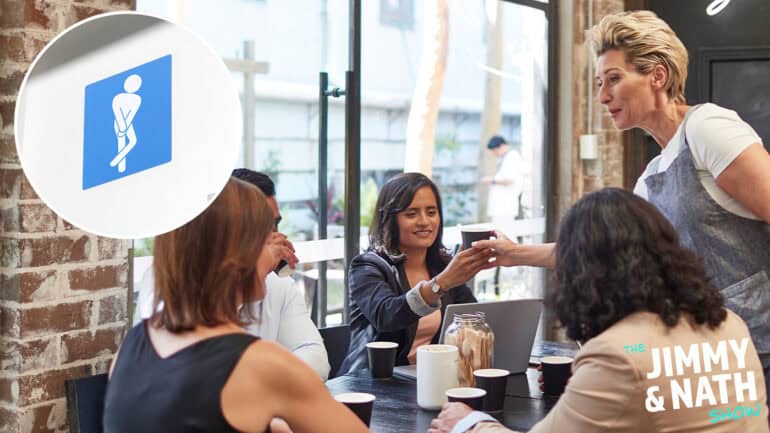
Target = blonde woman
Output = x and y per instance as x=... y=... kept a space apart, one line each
x=711 y=179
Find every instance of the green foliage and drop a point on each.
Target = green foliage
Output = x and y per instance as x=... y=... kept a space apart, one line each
x=143 y=247
x=448 y=142
x=271 y=165
x=369 y=194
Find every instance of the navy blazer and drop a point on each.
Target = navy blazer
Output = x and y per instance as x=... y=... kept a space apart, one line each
x=379 y=310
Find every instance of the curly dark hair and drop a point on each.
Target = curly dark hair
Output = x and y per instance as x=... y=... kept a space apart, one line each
x=396 y=196
x=617 y=254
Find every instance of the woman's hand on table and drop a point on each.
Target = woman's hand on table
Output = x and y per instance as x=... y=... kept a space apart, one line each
x=463 y=266
x=450 y=415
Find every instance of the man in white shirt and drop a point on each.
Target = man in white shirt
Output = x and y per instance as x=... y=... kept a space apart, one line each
x=283 y=314
x=505 y=187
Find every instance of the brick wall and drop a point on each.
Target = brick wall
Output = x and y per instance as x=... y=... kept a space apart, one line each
x=63 y=292
x=607 y=169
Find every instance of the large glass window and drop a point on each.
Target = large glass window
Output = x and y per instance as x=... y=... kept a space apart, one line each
x=276 y=50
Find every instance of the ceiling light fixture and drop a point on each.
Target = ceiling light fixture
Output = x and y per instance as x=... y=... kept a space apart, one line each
x=716 y=7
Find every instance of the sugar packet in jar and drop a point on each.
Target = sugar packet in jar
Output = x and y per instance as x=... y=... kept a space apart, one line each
x=475 y=343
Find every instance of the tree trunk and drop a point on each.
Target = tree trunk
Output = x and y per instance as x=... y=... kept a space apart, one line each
x=491 y=117
x=423 y=113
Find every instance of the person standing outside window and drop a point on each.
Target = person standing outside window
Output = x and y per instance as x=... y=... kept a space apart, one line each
x=505 y=187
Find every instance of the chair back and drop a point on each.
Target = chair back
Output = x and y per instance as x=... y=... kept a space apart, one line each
x=336 y=339
x=85 y=403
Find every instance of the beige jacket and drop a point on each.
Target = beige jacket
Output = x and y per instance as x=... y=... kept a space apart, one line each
x=609 y=388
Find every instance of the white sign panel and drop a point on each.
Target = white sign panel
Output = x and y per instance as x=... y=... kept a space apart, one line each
x=128 y=125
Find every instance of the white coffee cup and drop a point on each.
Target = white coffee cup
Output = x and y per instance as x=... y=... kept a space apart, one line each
x=436 y=373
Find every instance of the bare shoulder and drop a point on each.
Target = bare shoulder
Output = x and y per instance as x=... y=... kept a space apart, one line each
x=264 y=369
x=273 y=365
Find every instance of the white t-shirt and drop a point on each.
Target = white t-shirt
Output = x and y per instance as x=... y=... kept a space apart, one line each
x=503 y=200
x=716 y=137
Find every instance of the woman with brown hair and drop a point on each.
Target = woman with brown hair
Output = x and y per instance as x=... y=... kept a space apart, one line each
x=623 y=279
x=191 y=366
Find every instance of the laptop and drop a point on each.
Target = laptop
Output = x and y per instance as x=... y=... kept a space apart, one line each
x=514 y=323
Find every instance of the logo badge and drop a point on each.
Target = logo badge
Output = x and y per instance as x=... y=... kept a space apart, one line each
x=127 y=123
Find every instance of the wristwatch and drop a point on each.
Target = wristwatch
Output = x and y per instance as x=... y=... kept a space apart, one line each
x=434 y=286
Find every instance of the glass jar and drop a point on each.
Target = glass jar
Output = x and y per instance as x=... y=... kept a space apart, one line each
x=475 y=344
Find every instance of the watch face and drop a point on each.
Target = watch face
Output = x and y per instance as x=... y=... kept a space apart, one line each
x=435 y=287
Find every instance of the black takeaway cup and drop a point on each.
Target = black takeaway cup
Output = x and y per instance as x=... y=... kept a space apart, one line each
x=494 y=381
x=556 y=372
x=382 y=358
x=360 y=403
x=476 y=232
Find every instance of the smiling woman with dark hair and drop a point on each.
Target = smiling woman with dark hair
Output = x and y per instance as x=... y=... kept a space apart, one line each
x=652 y=326
x=400 y=287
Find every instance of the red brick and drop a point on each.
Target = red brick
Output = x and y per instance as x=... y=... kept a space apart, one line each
x=112 y=248
x=591 y=183
x=10 y=82
x=53 y=249
x=12 y=48
x=100 y=277
x=6 y=114
x=113 y=4
x=36 y=217
x=67 y=225
x=48 y=418
x=35 y=322
x=6 y=390
x=79 y=12
x=113 y=309
x=10 y=219
x=9 y=419
x=87 y=345
x=30 y=283
x=27 y=192
x=10 y=287
x=10 y=182
x=9 y=253
x=10 y=359
x=38 y=354
x=101 y=366
x=9 y=322
x=8 y=153
x=41 y=387
x=38 y=14
x=12 y=14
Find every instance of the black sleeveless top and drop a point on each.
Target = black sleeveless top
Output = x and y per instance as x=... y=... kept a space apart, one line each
x=181 y=393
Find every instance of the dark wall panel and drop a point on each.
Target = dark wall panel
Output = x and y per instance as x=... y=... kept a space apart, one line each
x=742 y=23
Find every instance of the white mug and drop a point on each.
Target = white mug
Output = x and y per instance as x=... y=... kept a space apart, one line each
x=436 y=373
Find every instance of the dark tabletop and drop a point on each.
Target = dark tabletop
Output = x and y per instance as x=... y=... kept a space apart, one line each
x=396 y=409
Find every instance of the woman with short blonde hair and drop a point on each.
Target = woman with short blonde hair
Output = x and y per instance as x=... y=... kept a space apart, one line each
x=711 y=179
x=647 y=41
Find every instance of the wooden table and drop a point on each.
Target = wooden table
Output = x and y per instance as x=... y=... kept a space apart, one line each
x=396 y=409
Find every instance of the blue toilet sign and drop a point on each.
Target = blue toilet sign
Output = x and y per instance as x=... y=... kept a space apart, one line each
x=127 y=123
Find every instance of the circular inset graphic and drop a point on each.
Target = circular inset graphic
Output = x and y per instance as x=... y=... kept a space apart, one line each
x=128 y=125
